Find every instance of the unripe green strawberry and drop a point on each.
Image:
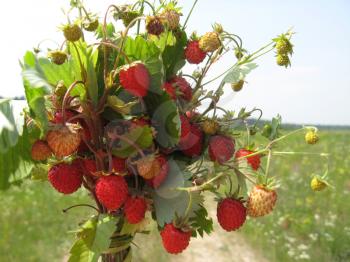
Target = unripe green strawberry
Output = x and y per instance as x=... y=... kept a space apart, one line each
x=57 y=57
x=60 y=89
x=210 y=127
x=284 y=47
x=91 y=25
x=128 y=16
x=311 y=137
x=210 y=42
x=267 y=130
x=72 y=32
x=283 y=60
x=318 y=184
x=238 y=85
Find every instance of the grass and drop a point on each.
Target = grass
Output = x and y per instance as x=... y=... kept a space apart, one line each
x=304 y=226
x=308 y=225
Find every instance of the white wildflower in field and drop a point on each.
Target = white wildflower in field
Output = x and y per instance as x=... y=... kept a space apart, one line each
x=304 y=256
x=347 y=230
x=291 y=253
x=328 y=237
x=313 y=236
x=303 y=247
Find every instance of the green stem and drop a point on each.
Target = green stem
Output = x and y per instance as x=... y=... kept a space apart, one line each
x=189 y=207
x=268 y=165
x=189 y=14
x=277 y=153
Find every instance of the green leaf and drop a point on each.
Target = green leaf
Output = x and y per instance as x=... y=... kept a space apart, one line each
x=239 y=73
x=94 y=237
x=164 y=40
x=11 y=125
x=105 y=228
x=275 y=127
x=88 y=56
x=201 y=222
x=141 y=136
x=168 y=200
x=173 y=55
x=80 y=252
x=67 y=72
x=140 y=49
x=36 y=88
x=16 y=164
x=165 y=118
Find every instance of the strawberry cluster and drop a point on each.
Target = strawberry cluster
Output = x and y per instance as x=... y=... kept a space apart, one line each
x=131 y=127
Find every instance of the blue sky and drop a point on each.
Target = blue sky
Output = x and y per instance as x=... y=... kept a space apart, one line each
x=315 y=90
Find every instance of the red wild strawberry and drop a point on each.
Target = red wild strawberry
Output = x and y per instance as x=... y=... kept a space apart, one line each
x=193 y=53
x=135 y=209
x=231 y=214
x=119 y=165
x=221 y=148
x=253 y=161
x=185 y=129
x=183 y=86
x=135 y=79
x=65 y=178
x=168 y=87
x=89 y=166
x=111 y=191
x=156 y=181
x=85 y=136
x=40 y=151
x=58 y=117
x=192 y=145
x=174 y=239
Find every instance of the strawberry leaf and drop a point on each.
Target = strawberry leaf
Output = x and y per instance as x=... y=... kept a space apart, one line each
x=15 y=159
x=201 y=223
x=168 y=200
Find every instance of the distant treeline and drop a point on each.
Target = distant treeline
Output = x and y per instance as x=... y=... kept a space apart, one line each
x=262 y=122
x=13 y=98
x=296 y=126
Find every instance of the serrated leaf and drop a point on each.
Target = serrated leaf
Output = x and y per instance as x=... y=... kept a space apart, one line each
x=201 y=222
x=239 y=72
x=67 y=72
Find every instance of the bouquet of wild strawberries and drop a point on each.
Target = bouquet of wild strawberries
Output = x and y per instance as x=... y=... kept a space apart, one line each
x=118 y=117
